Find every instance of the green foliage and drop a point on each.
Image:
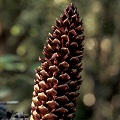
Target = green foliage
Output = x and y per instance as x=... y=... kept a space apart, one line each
x=24 y=26
x=11 y=63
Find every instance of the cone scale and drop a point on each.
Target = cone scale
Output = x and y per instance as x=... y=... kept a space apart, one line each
x=58 y=79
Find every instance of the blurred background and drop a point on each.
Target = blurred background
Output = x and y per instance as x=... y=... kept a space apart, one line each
x=24 y=27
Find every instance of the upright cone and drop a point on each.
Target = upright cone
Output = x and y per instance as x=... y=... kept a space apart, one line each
x=58 y=79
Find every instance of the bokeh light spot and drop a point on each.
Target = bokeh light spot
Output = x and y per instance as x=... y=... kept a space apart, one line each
x=90 y=44
x=115 y=102
x=16 y=30
x=106 y=109
x=106 y=45
x=89 y=99
x=21 y=50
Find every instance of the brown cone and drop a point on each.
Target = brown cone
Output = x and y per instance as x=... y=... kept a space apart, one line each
x=57 y=81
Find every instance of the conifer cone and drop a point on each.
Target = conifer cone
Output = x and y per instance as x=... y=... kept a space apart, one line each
x=58 y=79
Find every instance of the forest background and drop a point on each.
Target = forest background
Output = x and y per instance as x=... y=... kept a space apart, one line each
x=24 y=28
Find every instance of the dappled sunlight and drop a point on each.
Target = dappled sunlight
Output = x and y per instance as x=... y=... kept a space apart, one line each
x=96 y=6
x=61 y=1
x=91 y=24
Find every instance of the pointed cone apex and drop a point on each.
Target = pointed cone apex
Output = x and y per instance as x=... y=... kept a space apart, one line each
x=58 y=79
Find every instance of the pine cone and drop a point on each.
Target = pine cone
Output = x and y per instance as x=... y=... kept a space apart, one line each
x=57 y=81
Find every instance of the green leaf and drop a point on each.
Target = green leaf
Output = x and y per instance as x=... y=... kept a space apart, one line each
x=9 y=58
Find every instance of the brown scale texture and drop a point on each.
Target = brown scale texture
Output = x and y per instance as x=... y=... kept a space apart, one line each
x=58 y=79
